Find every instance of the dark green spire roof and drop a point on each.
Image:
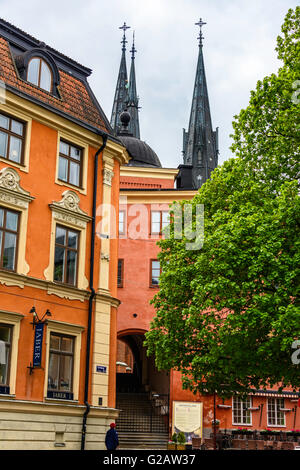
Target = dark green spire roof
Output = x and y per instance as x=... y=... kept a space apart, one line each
x=200 y=142
x=121 y=93
x=133 y=100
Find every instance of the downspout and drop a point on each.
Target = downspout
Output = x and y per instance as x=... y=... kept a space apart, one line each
x=92 y=294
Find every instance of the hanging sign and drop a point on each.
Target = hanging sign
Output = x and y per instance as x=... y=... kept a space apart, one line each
x=38 y=344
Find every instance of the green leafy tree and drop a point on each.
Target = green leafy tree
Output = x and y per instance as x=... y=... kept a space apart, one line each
x=228 y=313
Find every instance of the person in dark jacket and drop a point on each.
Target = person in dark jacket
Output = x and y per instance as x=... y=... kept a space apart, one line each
x=111 y=438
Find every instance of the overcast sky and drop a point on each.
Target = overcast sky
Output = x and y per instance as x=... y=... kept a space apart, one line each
x=240 y=38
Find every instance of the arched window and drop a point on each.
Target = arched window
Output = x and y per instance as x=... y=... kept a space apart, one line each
x=39 y=73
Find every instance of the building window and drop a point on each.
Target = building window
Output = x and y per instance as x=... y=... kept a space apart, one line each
x=5 y=354
x=159 y=220
x=39 y=73
x=12 y=136
x=70 y=164
x=275 y=416
x=61 y=362
x=120 y=272
x=121 y=222
x=154 y=273
x=66 y=255
x=9 y=226
x=240 y=413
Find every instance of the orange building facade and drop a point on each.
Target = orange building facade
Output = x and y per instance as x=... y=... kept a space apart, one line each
x=59 y=164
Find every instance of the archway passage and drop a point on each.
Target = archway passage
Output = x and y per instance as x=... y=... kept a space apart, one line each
x=142 y=392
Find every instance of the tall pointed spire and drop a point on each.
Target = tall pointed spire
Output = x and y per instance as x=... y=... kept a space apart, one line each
x=200 y=142
x=122 y=86
x=133 y=100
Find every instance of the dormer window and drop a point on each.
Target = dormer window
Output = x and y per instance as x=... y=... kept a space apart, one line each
x=39 y=73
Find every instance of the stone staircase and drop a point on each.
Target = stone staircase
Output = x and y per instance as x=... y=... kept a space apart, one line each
x=140 y=425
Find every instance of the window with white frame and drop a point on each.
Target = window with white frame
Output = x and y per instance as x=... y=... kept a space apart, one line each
x=60 y=371
x=5 y=354
x=121 y=222
x=240 y=412
x=275 y=416
x=9 y=339
x=159 y=220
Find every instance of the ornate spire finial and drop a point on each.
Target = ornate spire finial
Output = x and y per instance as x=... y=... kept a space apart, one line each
x=123 y=42
x=133 y=49
x=200 y=37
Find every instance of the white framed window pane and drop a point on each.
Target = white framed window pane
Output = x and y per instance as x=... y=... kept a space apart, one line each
x=15 y=148
x=4 y=121
x=59 y=264
x=155 y=222
x=73 y=239
x=53 y=375
x=121 y=221
x=71 y=267
x=9 y=250
x=60 y=236
x=74 y=173
x=5 y=337
x=54 y=342
x=165 y=219
x=17 y=127
x=3 y=144
x=64 y=148
x=11 y=221
x=46 y=77
x=33 y=71
x=156 y=265
x=75 y=153
x=63 y=169
x=66 y=363
x=67 y=344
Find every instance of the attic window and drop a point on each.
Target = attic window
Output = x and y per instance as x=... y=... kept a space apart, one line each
x=39 y=73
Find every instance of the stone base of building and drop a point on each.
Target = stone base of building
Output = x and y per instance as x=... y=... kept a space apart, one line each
x=28 y=425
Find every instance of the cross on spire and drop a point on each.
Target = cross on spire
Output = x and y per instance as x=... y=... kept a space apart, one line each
x=123 y=42
x=200 y=37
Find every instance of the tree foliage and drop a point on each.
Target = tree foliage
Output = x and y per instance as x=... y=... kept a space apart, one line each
x=227 y=314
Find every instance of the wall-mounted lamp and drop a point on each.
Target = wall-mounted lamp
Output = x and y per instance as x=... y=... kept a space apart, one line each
x=36 y=318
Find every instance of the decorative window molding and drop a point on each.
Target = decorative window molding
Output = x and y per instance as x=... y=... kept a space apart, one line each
x=13 y=319
x=11 y=191
x=67 y=212
x=75 y=331
x=13 y=196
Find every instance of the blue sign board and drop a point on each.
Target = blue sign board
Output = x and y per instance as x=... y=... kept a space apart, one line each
x=102 y=369
x=38 y=344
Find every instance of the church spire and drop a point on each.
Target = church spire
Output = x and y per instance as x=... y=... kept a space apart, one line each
x=133 y=100
x=200 y=146
x=121 y=92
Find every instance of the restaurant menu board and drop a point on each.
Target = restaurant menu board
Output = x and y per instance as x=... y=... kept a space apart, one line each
x=187 y=418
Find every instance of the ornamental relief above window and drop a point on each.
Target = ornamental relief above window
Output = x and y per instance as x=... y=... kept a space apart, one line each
x=11 y=191
x=68 y=210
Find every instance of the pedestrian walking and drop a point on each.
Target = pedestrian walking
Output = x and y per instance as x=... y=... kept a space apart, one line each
x=111 y=438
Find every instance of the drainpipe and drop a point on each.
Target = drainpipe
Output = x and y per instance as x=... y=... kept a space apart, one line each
x=92 y=294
